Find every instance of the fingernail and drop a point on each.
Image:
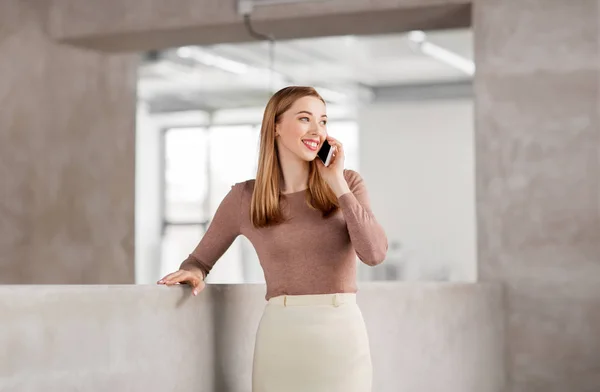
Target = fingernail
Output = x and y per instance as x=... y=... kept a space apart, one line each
x=195 y=292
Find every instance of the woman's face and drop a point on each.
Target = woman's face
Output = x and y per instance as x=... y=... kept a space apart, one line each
x=302 y=129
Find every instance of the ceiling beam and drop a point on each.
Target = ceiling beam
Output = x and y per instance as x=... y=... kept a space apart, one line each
x=140 y=25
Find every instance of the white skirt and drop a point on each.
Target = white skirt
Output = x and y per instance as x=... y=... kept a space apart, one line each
x=312 y=343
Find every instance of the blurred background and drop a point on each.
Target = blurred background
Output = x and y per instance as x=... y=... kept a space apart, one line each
x=402 y=104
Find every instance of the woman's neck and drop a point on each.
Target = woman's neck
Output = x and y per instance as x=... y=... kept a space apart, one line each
x=294 y=172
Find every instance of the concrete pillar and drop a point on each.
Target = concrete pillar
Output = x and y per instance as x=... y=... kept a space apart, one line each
x=538 y=179
x=66 y=156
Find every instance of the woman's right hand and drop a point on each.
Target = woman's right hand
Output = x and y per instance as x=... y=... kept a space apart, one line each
x=194 y=278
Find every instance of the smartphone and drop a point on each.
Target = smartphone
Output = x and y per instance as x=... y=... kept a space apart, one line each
x=325 y=153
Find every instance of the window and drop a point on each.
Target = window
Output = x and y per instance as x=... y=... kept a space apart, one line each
x=185 y=187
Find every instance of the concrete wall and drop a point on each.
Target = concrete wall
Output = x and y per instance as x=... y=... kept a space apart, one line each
x=538 y=179
x=429 y=207
x=424 y=337
x=66 y=156
x=104 y=338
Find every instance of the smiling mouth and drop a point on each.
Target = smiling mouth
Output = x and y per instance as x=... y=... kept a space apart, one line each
x=311 y=144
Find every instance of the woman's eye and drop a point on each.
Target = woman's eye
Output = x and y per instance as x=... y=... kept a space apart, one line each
x=324 y=122
x=304 y=118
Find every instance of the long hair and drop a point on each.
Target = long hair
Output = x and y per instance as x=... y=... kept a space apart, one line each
x=265 y=208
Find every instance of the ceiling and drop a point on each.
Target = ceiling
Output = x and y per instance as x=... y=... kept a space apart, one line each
x=345 y=69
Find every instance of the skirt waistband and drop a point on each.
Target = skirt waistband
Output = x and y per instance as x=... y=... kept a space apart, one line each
x=314 y=299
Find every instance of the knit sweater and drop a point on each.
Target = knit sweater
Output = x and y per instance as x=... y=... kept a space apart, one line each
x=307 y=253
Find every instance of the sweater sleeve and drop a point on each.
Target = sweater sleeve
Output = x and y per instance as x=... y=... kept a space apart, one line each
x=222 y=231
x=367 y=235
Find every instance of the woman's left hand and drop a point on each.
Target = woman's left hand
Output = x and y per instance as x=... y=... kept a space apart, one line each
x=334 y=173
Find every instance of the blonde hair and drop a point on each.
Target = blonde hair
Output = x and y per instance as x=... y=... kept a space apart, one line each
x=265 y=208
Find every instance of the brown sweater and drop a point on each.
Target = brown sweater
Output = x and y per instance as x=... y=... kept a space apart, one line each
x=306 y=254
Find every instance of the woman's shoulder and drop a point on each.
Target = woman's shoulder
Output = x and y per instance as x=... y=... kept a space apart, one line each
x=243 y=188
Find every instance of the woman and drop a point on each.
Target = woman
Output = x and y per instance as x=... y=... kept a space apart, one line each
x=307 y=222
